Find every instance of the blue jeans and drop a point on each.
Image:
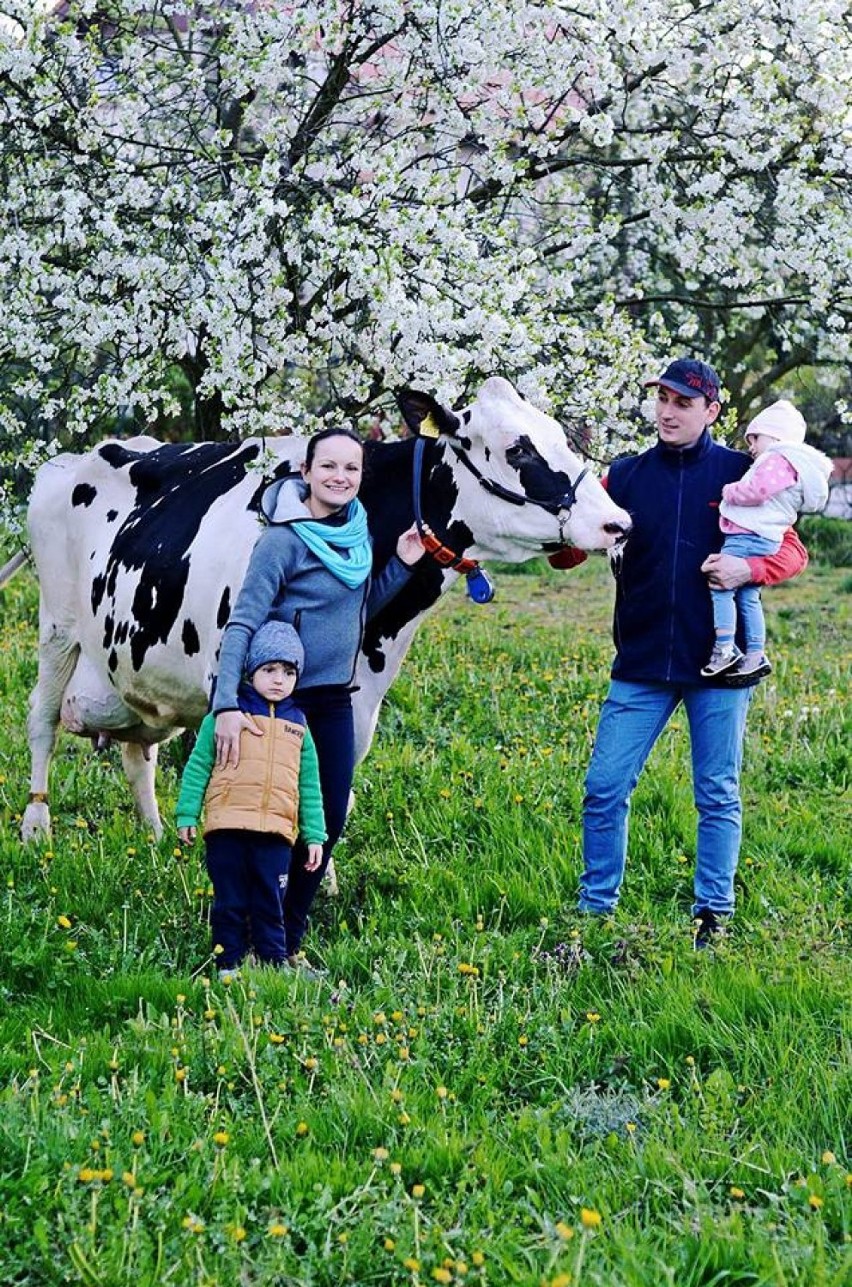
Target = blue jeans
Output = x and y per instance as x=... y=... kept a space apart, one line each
x=633 y=717
x=746 y=600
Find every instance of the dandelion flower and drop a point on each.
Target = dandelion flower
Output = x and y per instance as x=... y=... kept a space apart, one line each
x=221 y=1138
x=564 y=1230
x=302 y=1129
x=590 y=1219
x=380 y=1154
x=138 y=1138
x=412 y=1263
x=442 y=1275
x=736 y=1193
x=815 y=1201
x=478 y=1258
x=389 y=1244
x=828 y=1157
x=64 y=922
x=418 y=1190
x=278 y=1231
x=441 y=1092
x=664 y=1082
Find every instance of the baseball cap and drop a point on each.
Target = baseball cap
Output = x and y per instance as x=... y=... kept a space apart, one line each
x=690 y=378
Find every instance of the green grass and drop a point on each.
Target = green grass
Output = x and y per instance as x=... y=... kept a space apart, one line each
x=481 y=1068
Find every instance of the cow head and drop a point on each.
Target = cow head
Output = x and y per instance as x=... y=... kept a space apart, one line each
x=516 y=474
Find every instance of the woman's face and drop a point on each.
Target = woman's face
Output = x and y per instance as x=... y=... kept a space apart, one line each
x=334 y=475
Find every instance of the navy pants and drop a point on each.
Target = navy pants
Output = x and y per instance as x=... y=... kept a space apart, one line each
x=249 y=874
x=328 y=711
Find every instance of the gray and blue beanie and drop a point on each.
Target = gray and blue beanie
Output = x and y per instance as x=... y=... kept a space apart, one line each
x=274 y=641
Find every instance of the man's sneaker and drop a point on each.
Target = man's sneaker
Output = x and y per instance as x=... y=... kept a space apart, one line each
x=723 y=658
x=708 y=925
x=298 y=962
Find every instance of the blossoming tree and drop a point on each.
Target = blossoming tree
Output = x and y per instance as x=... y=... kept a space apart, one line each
x=293 y=208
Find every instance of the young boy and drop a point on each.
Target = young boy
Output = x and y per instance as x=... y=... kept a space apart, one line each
x=253 y=812
x=788 y=477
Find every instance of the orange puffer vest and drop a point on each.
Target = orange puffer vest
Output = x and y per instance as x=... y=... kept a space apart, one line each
x=262 y=792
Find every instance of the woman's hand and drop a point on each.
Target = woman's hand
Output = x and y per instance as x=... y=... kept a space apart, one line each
x=186 y=835
x=226 y=735
x=410 y=548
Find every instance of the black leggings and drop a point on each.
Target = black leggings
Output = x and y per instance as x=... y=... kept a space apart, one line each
x=328 y=711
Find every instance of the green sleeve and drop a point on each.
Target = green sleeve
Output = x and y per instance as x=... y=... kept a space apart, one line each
x=311 y=814
x=196 y=775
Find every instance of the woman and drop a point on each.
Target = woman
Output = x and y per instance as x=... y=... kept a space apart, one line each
x=311 y=568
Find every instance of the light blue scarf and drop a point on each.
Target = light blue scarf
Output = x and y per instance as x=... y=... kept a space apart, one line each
x=327 y=541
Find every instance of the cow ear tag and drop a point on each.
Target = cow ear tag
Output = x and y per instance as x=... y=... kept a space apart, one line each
x=428 y=428
x=479 y=586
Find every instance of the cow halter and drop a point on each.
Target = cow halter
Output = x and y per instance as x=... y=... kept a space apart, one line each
x=477 y=580
x=479 y=585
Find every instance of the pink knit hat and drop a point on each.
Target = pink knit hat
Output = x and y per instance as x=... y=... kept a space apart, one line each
x=781 y=421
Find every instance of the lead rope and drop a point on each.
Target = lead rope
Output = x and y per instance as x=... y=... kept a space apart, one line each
x=479 y=585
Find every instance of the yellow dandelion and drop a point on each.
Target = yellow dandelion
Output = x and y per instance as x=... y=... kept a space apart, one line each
x=478 y=1259
x=380 y=1154
x=564 y=1230
x=129 y=1179
x=592 y=1016
x=64 y=922
x=442 y=1275
x=736 y=1193
x=275 y=1039
x=828 y=1157
x=664 y=1082
x=590 y=1219
x=302 y=1129
x=561 y=1280
x=389 y=1244
x=138 y=1138
x=238 y=1233
x=418 y=1190
x=180 y=1074
x=441 y=1092
x=85 y=1175
x=278 y=1231
x=311 y=1063
x=221 y=1138
x=815 y=1201
x=412 y=1263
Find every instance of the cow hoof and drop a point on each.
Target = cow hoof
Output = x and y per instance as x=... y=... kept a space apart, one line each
x=330 y=880
x=36 y=822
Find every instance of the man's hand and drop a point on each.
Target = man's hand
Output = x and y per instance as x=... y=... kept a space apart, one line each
x=314 y=859
x=726 y=571
x=229 y=725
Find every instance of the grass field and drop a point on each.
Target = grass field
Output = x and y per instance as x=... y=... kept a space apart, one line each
x=485 y=1091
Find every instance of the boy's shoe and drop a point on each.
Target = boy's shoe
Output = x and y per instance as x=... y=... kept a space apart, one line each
x=298 y=962
x=708 y=925
x=722 y=659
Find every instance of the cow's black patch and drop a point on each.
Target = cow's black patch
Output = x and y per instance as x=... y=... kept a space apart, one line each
x=83 y=494
x=224 y=610
x=539 y=480
x=175 y=486
x=112 y=660
x=109 y=627
x=189 y=637
x=387 y=489
x=111 y=515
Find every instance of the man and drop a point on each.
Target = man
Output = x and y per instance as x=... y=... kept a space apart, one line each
x=662 y=629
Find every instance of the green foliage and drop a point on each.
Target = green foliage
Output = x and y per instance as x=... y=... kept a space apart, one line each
x=486 y=1089
x=829 y=540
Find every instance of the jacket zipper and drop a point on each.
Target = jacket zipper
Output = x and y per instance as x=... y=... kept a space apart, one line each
x=270 y=761
x=673 y=593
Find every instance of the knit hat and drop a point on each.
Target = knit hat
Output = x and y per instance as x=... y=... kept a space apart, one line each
x=274 y=641
x=781 y=421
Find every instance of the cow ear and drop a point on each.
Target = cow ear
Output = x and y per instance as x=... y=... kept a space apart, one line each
x=424 y=416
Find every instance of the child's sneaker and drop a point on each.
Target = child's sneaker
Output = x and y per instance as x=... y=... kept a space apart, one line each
x=722 y=659
x=755 y=665
x=298 y=962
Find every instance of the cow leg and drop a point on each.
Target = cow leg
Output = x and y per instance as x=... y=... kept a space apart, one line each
x=57 y=657
x=140 y=763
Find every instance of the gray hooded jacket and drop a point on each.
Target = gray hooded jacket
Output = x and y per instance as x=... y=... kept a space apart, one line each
x=285 y=581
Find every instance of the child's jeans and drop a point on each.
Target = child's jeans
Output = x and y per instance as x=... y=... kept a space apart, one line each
x=249 y=874
x=746 y=600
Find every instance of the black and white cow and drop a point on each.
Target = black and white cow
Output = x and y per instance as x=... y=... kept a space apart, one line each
x=141 y=549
